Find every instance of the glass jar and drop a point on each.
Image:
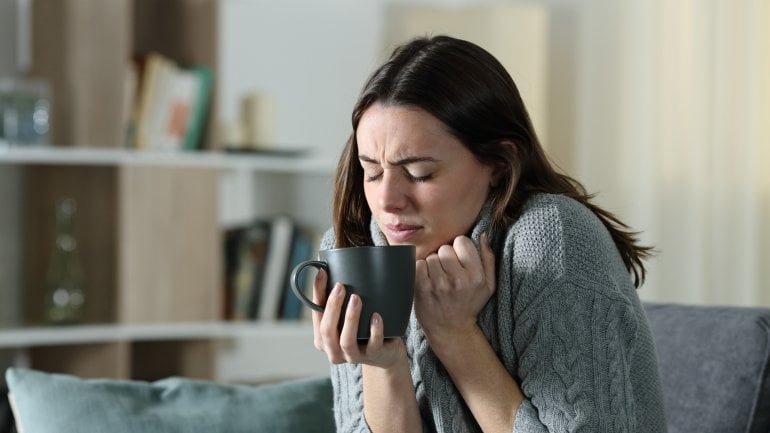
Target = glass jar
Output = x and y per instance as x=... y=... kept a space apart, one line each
x=25 y=107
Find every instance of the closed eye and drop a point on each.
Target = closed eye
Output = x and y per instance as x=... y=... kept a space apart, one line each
x=373 y=171
x=418 y=179
x=372 y=178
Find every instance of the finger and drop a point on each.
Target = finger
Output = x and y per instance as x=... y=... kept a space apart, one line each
x=319 y=287
x=319 y=298
x=349 y=334
x=488 y=261
x=328 y=327
x=376 y=334
x=421 y=278
x=449 y=260
x=467 y=254
x=436 y=274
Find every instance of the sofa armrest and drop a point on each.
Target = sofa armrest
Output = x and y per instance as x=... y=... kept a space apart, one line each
x=715 y=366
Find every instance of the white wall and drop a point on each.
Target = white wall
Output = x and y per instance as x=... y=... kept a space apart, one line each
x=311 y=58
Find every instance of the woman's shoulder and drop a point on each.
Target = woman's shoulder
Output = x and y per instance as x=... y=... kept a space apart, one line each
x=552 y=219
x=560 y=244
x=555 y=206
x=541 y=222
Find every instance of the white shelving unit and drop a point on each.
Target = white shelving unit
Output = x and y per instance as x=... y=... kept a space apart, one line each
x=181 y=199
x=258 y=161
x=246 y=351
x=17 y=338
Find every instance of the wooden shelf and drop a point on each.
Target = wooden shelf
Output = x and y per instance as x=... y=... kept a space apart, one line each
x=93 y=334
x=203 y=159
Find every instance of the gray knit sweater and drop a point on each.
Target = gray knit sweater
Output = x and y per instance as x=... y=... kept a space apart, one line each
x=565 y=321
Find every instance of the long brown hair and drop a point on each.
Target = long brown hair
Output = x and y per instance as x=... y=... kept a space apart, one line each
x=466 y=88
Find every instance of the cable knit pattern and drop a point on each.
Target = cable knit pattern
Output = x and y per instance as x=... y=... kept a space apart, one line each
x=565 y=321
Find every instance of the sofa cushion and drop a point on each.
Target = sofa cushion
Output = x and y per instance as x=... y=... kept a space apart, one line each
x=59 y=403
x=715 y=367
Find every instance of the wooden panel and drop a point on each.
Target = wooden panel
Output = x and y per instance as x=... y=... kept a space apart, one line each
x=156 y=360
x=93 y=188
x=185 y=30
x=10 y=259
x=89 y=360
x=82 y=48
x=170 y=248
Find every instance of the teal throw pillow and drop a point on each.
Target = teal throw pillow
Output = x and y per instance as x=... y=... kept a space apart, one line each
x=57 y=403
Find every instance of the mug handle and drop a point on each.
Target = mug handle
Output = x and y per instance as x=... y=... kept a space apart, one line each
x=294 y=280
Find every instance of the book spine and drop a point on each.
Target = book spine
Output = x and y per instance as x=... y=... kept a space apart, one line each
x=301 y=251
x=276 y=265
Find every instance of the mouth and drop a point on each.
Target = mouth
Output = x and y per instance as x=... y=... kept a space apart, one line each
x=401 y=233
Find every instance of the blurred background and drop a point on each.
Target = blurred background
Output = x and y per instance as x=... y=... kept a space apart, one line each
x=660 y=107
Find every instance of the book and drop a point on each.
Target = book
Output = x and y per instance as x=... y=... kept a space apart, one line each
x=282 y=230
x=245 y=252
x=258 y=239
x=129 y=103
x=171 y=105
x=301 y=251
x=198 y=115
x=231 y=250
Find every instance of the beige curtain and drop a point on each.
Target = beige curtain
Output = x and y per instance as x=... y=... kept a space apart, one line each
x=673 y=131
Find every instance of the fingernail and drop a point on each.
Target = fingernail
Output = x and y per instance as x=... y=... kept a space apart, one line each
x=376 y=319
x=337 y=290
x=354 y=301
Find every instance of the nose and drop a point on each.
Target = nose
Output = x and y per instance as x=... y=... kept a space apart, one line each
x=393 y=192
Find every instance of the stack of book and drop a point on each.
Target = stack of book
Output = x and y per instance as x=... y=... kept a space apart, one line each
x=258 y=261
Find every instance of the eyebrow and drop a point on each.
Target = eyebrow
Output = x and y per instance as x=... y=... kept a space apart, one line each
x=405 y=161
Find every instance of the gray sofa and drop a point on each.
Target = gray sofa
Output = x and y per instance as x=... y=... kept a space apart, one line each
x=714 y=365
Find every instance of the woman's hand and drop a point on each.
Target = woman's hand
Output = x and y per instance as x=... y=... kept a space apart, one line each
x=343 y=346
x=452 y=286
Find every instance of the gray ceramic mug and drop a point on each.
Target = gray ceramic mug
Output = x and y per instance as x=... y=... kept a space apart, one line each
x=382 y=276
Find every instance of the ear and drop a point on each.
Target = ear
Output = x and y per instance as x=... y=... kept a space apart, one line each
x=497 y=173
x=499 y=169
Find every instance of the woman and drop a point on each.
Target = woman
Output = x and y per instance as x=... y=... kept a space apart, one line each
x=526 y=317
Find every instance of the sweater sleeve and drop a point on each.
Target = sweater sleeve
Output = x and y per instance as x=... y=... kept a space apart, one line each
x=577 y=365
x=572 y=328
x=348 y=399
x=347 y=382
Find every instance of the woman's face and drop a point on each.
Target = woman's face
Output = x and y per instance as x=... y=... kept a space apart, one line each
x=423 y=186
